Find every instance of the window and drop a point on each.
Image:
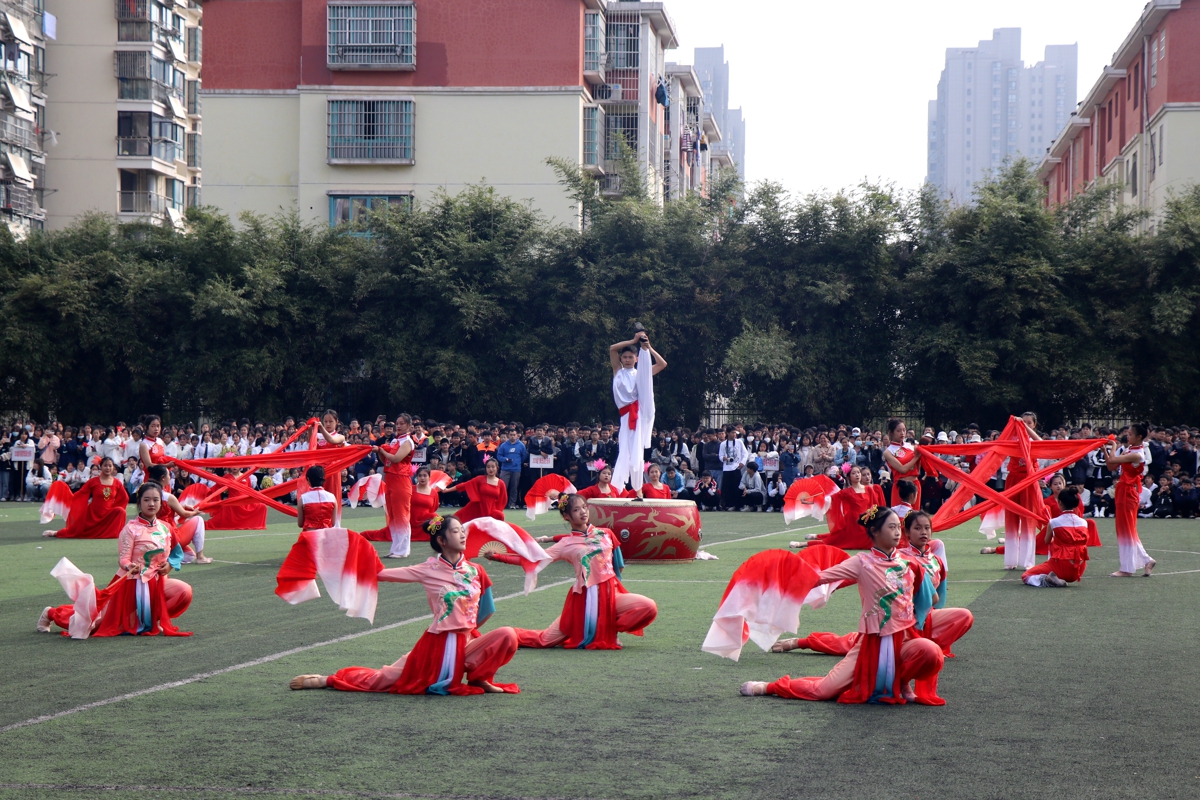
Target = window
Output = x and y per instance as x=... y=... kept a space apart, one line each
x=620 y=122
x=1162 y=142
x=1154 y=62
x=193 y=97
x=623 y=35
x=370 y=130
x=193 y=150
x=593 y=135
x=593 y=41
x=174 y=193
x=349 y=208
x=381 y=35
x=193 y=196
x=142 y=134
x=193 y=45
x=1133 y=176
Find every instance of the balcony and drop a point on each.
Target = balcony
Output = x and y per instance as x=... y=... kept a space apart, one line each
x=145 y=147
x=13 y=132
x=17 y=200
x=151 y=203
x=594 y=56
x=135 y=10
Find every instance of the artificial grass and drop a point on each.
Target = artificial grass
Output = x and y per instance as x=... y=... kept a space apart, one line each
x=1086 y=691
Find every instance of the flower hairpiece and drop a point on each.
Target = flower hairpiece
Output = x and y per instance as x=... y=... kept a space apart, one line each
x=435 y=524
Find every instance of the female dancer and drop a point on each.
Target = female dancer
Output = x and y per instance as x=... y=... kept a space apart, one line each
x=460 y=597
x=598 y=605
x=890 y=652
x=398 y=489
x=901 y=459
x=603 y=487
x=190 y=530
x=943 y=625
x=1068 y=548
x=97 y=508
x=150 y=449
x=425 y=503
x=315 y=509
x=1020 y=533
x=140 y=599
x=1134 y=463
x=486 y=493
x=848 y=505
x=327 y=436
x=655 y=489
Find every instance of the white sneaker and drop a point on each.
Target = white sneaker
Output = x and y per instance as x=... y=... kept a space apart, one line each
x=43 y=623
x=754 y=688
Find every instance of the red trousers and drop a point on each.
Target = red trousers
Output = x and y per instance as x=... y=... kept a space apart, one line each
x=484 y=656
x=177 y=594
x=1069 y=571
x=946 y=626
x=920 y=659
x=634 y=612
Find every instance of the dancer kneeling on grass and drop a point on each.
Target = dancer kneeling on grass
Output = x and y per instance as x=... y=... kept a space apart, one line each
x=943 y=625
x=1068 y=534
x=140 y=599
x=189 y=531
x=597 y=606
x=460 y=597
x=890 y=652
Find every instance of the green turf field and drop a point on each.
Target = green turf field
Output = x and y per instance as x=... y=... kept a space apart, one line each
x=1083 y=692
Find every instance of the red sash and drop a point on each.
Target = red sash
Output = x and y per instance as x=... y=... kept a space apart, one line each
x=632 y=411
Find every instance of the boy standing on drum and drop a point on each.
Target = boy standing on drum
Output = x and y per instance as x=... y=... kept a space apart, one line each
x=634 y=363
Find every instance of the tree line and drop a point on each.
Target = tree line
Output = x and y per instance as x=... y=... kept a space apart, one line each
x=826 y=308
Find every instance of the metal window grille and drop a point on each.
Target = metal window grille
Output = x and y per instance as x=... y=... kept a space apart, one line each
x=370 y=130
x=623 y=39
x=193 y=150
x=620 y=122
x=594 y=42
x=194 y=45
x=370 y=35
x=193 y=196
x=193 y=97
x=134 y=9
x=693 y=113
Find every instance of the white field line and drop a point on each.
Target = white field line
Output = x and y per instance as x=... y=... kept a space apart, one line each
x=254 y=663
x=707 y=545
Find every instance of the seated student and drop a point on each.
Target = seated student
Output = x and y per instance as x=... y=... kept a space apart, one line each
x=776 y=489
x=1100 y=504
x=752 y=490
x=1185 y=499
x=1146 y=499
x=673 y=481
x=1162 y=503
x=705 y=494
x=1068 y=536
x=907 y=490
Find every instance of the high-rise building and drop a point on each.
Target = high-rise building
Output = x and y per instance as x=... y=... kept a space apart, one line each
x=126 y=110
x=1139 y=125
x=355 y=104
x=24 y=28
x=990 y=107
x=713 y=71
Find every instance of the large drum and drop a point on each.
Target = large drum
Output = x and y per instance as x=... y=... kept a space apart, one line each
x=650 y=529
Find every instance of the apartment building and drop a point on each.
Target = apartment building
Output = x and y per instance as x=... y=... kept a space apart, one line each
x=125 y=110
x=990 y=107
x=24 y=29
x=1139 y=125
x=348 y=105
x=713 y=71
x=689 y=132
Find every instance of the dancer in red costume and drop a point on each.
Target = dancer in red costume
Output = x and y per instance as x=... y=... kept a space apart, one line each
x=902 y=460
x=848 y=505
x=98 y=508
x=891 y=650
x=327 y=436
x=1068 y=548
x=186 y=524
x=943 y=625
x=140 y=599
x=1053 y=509
x=426 y=500
x=1134 y=463
x=397 y=481
x=1020 y=533
x=460 y=597
x=150 y=449
x=486 y=494
x=598 y=605
x=603 y=487
x=655 y=489
x=316 y=507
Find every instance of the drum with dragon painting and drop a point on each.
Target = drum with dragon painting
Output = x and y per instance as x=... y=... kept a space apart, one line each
x=650 y=529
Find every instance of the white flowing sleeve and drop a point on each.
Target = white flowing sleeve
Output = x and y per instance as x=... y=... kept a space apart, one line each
x=645 y=388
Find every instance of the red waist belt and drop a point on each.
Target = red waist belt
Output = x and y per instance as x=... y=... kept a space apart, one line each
x=632 y=411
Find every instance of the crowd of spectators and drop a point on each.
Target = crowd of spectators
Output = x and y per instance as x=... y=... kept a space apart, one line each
x=746 y=467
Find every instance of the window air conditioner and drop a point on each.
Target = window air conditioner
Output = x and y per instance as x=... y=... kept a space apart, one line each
x=608 y=91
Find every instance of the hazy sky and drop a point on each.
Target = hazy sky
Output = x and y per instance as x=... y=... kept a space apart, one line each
x=834 y=92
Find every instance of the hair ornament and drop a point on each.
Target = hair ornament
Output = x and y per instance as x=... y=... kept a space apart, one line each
x=435 y=524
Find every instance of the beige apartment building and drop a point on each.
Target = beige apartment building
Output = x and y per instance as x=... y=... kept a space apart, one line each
x=125 y=109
